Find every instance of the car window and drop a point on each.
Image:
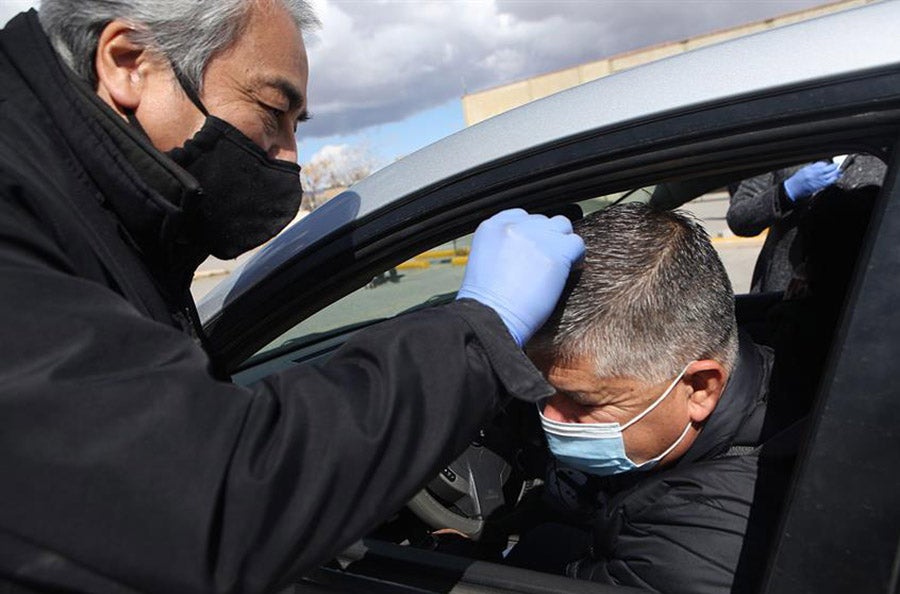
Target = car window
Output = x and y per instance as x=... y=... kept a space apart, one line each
x=430 y=278
x=434 y=276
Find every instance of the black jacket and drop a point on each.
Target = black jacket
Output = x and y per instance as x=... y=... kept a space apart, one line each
x=125 y=465
x=702 y=525
x=760 y=203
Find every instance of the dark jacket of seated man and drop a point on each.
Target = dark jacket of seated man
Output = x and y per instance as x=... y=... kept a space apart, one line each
x=659 y=410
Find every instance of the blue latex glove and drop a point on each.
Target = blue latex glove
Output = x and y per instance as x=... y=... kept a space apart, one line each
x=811 y=179
x=518 y=267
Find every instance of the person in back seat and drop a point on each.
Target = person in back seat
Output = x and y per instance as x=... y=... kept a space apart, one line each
x=656 y=428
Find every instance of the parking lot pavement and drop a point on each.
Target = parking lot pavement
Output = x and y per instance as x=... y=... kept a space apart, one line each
x=739 y=257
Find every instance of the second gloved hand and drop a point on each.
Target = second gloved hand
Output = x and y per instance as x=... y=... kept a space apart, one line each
x=518 y=266
x=811 y=179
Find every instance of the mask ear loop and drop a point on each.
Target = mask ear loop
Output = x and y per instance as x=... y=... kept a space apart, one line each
x=188 y=89
x=659 y=457
x=658 y=400
x=132 y=119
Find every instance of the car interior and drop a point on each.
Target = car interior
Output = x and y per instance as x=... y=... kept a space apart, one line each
x=467 y=519
x=837 y=322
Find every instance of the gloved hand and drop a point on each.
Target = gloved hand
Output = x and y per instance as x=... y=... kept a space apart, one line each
x=518 y=267
x=811 y=179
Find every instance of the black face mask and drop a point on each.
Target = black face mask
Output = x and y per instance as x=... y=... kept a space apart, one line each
x=247 y=196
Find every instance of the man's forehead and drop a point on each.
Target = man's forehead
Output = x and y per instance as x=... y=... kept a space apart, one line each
x=270 y=52
x=578 y=381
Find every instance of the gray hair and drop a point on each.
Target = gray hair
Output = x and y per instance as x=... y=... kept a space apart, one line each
x=652 y=296
x=186 y=32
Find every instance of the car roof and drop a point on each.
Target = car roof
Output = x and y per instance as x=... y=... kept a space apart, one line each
x=827 y=47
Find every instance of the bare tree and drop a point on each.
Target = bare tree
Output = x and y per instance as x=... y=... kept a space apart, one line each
x=333 y=167
x=316 y=177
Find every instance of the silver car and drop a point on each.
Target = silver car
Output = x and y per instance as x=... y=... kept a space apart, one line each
x=669 y=131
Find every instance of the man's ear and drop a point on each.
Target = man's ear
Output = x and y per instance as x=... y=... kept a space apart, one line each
x=118 y=61
x=707 y=381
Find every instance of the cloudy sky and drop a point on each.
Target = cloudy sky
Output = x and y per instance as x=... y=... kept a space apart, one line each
x=388 y=75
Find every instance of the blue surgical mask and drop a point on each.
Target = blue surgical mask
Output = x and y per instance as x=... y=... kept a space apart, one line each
x=599 y=448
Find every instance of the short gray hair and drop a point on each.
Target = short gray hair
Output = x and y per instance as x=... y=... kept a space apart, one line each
x=186 y=32
x=652 y=296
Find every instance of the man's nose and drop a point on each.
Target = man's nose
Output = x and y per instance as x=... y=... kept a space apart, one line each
x=284 y=147
x=285 y=151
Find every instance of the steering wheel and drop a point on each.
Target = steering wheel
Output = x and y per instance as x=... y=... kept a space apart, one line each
x=464 y=493
x=484 y=480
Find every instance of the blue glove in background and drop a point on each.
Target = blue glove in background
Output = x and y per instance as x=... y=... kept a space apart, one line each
x=811 y=179
x=518 y=267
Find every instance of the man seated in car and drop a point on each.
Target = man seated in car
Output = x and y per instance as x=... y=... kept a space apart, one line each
x=657 y=392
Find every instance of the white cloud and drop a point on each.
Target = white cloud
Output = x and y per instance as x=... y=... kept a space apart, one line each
x=378 y=62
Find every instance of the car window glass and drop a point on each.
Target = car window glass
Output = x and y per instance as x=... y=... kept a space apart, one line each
x=430 y=278
x=738 y=254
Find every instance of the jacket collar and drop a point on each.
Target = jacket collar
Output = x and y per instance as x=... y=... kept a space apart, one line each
x=738 y=416
x=146 y=190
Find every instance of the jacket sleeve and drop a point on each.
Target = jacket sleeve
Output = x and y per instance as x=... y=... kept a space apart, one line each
x=758 y=203
x=125 y=465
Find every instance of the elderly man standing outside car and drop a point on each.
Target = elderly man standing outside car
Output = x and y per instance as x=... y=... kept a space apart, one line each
x=136 y=138
x=656 y=429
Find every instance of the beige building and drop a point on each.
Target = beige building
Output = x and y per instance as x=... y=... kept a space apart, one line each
x=485 y=104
